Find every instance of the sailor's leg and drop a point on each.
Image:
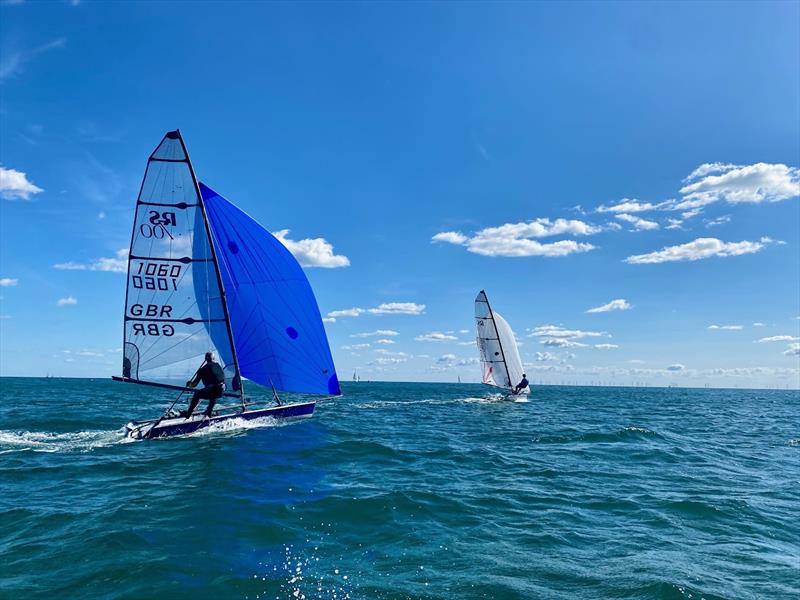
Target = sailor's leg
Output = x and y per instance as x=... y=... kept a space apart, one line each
x=195 y=400
x=212 y=401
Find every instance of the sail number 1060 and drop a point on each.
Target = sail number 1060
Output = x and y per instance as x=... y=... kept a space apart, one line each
x=156 y=276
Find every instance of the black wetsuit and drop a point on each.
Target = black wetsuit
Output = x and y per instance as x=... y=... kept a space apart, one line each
x=213 y=378
x=521 y=386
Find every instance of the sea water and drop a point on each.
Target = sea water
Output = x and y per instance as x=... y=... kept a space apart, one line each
x=404 y=490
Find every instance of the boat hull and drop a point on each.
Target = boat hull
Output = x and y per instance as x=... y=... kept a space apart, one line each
x=172 y=426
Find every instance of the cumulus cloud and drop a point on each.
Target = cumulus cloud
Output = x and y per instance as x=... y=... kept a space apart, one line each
x=68 y=301
x=384 y=341
x=397 y=308
x=779 y=338
x=14 y=185
x=619 y=304
x=118 y=264
x=346 y=312
x=638 y=223
x=562 y=343
x=446 y=358
x=376 y=333
x=519 y=239
x=8 y=282
x=329 y=319
x=793 y=350
x=605 y=346
x=435 y=336
x=760 y=182
x=387 y=308
x=699 y=249
x=312 y=252
x=726 y=327
x=545 y=357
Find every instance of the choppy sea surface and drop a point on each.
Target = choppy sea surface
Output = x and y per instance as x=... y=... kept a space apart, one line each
x=404 y=491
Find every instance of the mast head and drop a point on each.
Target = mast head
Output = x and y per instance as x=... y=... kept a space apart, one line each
x=174 y=135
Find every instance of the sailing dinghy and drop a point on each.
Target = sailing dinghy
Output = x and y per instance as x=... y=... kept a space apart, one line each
x=203 y=276
x=500 y=361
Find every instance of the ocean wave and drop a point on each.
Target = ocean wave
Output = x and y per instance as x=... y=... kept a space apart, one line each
x=46 y=441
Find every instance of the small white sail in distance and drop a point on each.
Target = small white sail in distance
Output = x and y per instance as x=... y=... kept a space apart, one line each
x=500 y=360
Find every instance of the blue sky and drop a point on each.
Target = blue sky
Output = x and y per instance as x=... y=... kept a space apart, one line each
x=560 y=156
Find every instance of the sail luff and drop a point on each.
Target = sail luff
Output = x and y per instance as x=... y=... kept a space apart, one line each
x=237 y=382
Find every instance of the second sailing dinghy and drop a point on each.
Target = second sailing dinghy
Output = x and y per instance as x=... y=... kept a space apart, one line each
x=205 y=277
x=500 y=361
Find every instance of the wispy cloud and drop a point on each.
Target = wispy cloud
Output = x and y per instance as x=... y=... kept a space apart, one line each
x=606 y=346
x=118 y=264
x=435 y=336
x=628 y=205
x=519 y=239
x=312 y=252
x=699 y=249
x=8 y=282
x=618 y=304
x=726 y=327
x=793 y=350
x=779 y=338
x=718 y=221
x=376 y=333
x=14 y=185
x=68 y=301
x=556 y=331
x=13 y=60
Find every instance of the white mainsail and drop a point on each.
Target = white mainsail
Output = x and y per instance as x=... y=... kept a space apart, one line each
x=500 y=360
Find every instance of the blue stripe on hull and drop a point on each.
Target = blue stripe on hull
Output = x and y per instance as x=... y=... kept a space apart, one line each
x=170 y=428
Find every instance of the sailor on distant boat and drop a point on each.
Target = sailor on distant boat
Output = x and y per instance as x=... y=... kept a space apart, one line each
x=521 y=385
x=213 y=378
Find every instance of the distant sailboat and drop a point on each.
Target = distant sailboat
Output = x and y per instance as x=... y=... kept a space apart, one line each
x=203 y=276
x=500 y=362
x=459 y=379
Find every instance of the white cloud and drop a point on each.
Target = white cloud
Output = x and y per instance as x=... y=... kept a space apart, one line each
x=619 y=304
x=14 y=185
x=384 y=341
x=8 y=282
x=545 y=357
x=758 y=324
x=329 y=319
x=718 y=221
x=727 y=327
x=356 y=347
x=562 y=343
x=376 y=333
x=555 y=331
x=451 y=237
x=398 y=308
x=435 y=336
x=316 y=252
x=347 y=312
x=514 y=239
x=674 y=223
x=388 y=360
x=605 y=346
x=794 y=350
x=779 y=338
x=699 y=249
x=68 y=301
x=119 y=264
x=756 y=183
x=676 y=367
x=446 y=358
x=638 y=223
x=627 y=205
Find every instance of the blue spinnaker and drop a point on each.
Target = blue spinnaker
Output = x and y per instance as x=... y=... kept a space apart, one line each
x=277 y=327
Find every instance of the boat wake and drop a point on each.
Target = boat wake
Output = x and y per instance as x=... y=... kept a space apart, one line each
x=235 y=426
x=47 y=441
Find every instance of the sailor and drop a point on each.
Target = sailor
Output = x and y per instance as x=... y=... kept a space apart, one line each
x=213 y=378
x=521 y=385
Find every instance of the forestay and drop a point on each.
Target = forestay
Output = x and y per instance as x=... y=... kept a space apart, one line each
x=500 y=360
x=277 y=328
x=174 y=308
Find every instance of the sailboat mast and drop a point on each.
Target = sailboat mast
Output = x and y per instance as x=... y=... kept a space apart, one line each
x=223 y=298
x=499 y=341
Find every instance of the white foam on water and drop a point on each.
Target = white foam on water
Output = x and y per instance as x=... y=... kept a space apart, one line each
x=48 y=441
x=238 y=425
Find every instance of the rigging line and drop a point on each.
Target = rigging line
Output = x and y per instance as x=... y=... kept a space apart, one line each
x=499 y=343
x=152 y=358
